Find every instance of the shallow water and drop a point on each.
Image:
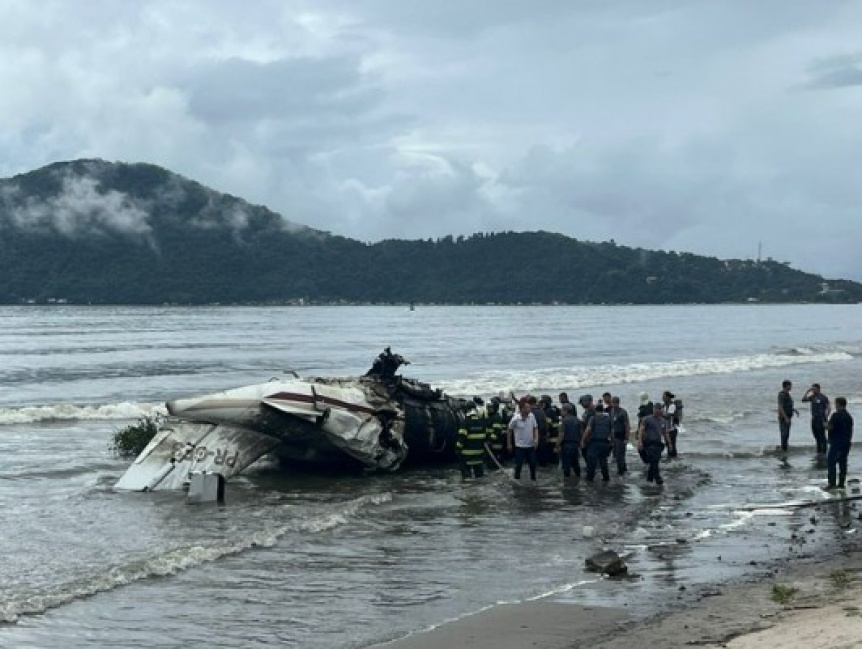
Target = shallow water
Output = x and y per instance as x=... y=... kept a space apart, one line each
x=345 y=561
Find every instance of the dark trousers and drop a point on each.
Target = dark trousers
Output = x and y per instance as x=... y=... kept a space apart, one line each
x=671 y=451
x=597 y=456
x=472 y=469
x=652 y=456
x=818 y=430
x=620 y=446
x=528 y=454
x=784 y=432
x=569 y=457
x=837 y=458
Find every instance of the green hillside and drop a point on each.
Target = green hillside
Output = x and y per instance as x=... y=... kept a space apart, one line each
x=93 y=232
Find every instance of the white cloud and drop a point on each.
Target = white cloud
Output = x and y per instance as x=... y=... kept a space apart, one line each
x=681 y=124
x=80 y=208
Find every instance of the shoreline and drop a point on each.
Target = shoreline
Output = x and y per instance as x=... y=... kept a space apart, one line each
x=813 y=603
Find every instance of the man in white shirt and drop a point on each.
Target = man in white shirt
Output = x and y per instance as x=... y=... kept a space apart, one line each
x=523 y=438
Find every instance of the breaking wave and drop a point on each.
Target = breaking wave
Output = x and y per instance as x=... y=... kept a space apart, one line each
x=179 y=559
x=72 y=412
x=611 y=374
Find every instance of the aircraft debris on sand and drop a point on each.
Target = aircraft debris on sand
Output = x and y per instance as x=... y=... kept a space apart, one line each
x=380 y=421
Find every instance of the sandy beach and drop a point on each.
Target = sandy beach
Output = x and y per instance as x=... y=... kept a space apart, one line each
x=812 y=605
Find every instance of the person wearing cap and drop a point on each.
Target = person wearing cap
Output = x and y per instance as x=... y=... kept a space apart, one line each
x=569 y=441
x=820 y=409
x=652 y=438
x=523 y=438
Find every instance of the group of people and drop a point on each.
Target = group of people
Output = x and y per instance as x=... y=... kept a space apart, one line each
x=542 y=433
x=538 y=432
x=832 y=430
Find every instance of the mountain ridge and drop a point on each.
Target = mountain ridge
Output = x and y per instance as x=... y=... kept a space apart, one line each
x=94 y=232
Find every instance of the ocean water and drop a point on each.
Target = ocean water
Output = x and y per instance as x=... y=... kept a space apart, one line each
x=348 y=561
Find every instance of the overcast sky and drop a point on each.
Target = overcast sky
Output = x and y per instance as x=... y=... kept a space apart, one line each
x=677 y=124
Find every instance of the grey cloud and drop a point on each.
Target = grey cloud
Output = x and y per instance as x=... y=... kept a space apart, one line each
x=285 y=89
x=836 y=72
x=660 y=124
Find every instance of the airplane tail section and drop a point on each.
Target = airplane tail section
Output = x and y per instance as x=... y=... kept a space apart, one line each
x=181 y=447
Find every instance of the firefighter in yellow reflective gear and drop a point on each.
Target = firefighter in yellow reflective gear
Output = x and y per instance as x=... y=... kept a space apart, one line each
x=495 y=427
x=472 y=436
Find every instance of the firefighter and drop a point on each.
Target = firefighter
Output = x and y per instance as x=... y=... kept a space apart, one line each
x=472 y=437
x=495 y=428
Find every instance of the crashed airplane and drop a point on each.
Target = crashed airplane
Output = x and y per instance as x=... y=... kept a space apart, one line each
x=380 y=421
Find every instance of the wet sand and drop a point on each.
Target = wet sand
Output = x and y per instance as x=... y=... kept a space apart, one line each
x=825 y=612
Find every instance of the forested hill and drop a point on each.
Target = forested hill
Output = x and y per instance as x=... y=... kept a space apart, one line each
x=93 y=232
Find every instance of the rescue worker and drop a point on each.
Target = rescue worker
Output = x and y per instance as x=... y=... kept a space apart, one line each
x=496 y=432
x=820 y=410
x=586 y=402
x=597 y=442
x=542 y=422
x=548 y=450
x=671 y=420
x=564 y=399
x=472 y=436
x=569 y=441
x=840 y=439
x=622 y=433
x=652 y=438
x=644 y=410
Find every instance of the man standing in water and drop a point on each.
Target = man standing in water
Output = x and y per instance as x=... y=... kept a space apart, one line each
x=598 y=444
x=840 y=437
x=652 y=437
x=785 y=413
x=820 y=409
x=523 y=437
x=622 y=433
x=569 y=444
x=671 y=417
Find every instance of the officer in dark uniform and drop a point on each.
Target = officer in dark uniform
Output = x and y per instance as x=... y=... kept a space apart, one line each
x=542 y=423
x=589 y=410
x=598 y=443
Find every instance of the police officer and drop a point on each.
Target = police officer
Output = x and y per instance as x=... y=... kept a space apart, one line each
x=597 y=442
x=569 y=442
x=622 y=433
x=589 y=410
x=820 y=409
x=652 y=437
x=538 y=411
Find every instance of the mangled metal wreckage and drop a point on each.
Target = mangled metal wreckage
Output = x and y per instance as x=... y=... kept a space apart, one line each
x=380 y=421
